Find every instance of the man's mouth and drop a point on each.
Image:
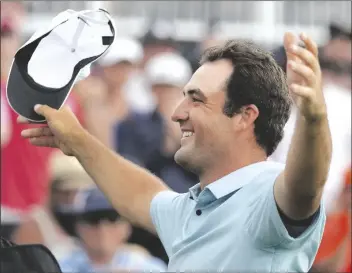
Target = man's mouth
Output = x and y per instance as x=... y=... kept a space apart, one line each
x=187 y=134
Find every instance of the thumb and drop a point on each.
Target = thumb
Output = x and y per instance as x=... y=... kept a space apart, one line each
x=44 y=110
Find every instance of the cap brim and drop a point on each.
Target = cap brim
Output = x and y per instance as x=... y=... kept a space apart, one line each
x=23 y=93
x=23 y=96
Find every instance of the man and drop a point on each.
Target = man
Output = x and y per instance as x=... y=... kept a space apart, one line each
x=103 y=95
x=24 y=169
x=246 y=214
x=103 y=235
x=53 y=225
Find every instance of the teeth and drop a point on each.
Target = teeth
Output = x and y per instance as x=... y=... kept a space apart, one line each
x=187 y=134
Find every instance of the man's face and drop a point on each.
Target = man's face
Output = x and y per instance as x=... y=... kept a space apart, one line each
x=102 y=234
x=12 y=15
x=64 y=197
x=207 y=132
x=167 y=96
x=117 y=75
x=338 y=53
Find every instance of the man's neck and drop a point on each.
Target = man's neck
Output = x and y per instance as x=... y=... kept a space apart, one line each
x=227 y=166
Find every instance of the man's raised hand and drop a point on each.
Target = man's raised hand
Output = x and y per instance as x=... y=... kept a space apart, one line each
x=61 y=131
x=304 y=76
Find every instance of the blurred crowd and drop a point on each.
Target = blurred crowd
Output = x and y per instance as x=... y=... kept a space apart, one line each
x=126 y=102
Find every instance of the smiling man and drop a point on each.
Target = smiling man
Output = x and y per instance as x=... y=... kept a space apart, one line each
x=247 y=213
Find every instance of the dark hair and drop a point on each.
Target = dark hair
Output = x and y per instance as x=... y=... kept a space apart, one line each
x=256 y=79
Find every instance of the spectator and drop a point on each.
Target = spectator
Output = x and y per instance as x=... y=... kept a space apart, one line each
x=137 y=88
x=103 y=94
x=155 y=42
x=103 y=235
x=335 y=56
x=53 y=225
x=24 y=170
x=151 y=140
x=211 y=39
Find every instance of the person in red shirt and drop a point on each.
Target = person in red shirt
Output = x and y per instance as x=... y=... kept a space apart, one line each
x=24 y=169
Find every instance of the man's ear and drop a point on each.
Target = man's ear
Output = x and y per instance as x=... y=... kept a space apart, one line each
x=247 y=116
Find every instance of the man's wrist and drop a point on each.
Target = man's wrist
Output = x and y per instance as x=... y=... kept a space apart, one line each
x=316 y=119
x=79 y=142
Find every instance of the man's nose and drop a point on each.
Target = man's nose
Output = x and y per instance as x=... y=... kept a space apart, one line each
x=180 y=113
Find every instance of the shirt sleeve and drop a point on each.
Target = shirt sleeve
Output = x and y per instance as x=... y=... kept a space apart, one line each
x=165 y=209
x=265 y=225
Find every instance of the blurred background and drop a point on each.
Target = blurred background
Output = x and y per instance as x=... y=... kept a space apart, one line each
x=127 y=102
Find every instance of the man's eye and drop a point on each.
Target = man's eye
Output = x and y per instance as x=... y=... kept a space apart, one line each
x=196 y=100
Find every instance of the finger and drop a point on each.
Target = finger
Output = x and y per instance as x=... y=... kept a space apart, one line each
x=43 y=142
x=67 y=108
x=310 y=44
x=306 y=56
x=44 y=110
x=23 y=120
x=304 y=71
x=289 y=40
x=302 y=91
x=36 y=132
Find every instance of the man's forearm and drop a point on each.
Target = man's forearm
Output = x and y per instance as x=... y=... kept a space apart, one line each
x=128 y=187
x=309 y=158
x=98 y=122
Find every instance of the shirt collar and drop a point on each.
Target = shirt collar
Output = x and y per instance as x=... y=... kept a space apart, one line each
x=233 y=181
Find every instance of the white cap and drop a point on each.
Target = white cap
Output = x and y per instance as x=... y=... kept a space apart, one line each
x=168 y=68
x=122 y=49
x=56 y=56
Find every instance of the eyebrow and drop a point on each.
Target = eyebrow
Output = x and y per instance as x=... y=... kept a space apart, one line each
x=195 y=91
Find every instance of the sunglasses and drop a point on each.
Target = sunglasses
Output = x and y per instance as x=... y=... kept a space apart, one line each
x=96 y=217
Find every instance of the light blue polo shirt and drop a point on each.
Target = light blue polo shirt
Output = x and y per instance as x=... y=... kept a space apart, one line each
x=233 y=225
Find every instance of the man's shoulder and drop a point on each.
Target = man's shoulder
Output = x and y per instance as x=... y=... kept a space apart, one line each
x=269 y=169
x=264 y=176
x=172 y=197
x=171 y=203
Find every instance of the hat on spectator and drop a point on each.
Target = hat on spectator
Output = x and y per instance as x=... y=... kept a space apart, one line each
x=339 y=31
x=45 y=69
x=67 y=173
x=168 y=68
x=123 y=49
x=91 y=200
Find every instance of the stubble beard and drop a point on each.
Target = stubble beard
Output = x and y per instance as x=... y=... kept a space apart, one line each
x=187 y=159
